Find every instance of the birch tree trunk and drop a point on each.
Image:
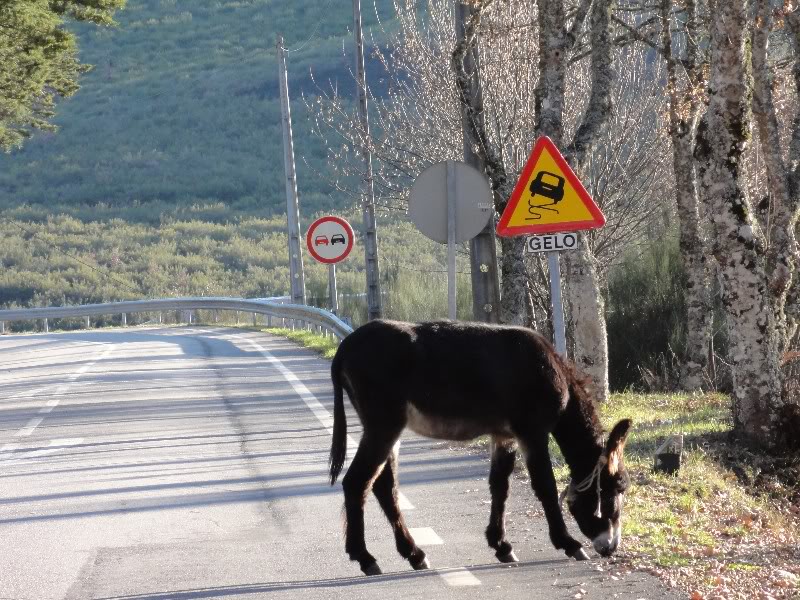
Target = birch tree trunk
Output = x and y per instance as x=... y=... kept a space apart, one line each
x=784 y=189
x=587 y=313
x=782 y=250
x=516 y=303
x=684 y=110
x=738 y=244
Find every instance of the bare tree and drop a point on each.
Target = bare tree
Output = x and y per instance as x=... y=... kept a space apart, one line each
x=419 y=123
x=738 y=243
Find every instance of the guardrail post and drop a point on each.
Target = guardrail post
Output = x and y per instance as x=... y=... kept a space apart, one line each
x=237 y=317
x=269 y=321
x=255 y=320
x=124 y=320
x=2 y=327
x=216 y=316
x=88 y=323
x=46 y=326
x=191 y=317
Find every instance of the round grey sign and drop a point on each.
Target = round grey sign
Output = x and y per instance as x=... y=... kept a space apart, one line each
x=427 y=205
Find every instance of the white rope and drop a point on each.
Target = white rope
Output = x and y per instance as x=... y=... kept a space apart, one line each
x=571 y=490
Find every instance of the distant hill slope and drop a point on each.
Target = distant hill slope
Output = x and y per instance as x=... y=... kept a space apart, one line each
x=183 y=105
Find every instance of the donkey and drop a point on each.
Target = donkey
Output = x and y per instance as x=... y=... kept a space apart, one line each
x=457 y=381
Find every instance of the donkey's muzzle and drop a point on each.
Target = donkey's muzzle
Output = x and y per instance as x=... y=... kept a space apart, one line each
x=605 y=544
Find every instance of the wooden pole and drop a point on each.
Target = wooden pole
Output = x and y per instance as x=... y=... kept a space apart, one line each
x=374 y=308
x=296 y=275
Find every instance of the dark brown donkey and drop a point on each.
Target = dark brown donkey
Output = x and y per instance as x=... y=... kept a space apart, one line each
x=456 y=381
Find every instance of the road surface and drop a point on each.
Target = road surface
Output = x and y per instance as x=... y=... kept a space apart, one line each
x=186 y=463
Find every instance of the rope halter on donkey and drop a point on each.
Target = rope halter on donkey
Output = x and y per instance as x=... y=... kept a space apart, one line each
x=572 y=490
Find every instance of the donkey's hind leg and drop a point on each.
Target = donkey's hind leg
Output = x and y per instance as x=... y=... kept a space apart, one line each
x=385 y=490
x=504 y=454
x=373 y=451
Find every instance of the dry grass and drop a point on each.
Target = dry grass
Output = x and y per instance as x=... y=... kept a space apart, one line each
x=726 y=526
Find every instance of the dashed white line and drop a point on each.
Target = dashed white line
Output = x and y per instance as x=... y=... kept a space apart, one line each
x=314 y=405
x=58 y=391
x=7 y=451
x=54 y=447
x=423 y=536
x=30 y=427
x=459 y=577
x=27 y=393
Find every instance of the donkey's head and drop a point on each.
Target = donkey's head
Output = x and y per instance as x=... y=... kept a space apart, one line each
x=596 y=502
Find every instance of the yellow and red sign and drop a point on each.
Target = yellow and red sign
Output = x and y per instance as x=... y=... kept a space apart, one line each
x=548 y=197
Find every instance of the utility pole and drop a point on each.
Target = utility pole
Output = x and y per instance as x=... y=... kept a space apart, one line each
x=296 y=275
x=482 y=248
x=374 y=310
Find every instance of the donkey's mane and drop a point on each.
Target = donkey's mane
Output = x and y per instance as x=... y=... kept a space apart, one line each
x=581 y=420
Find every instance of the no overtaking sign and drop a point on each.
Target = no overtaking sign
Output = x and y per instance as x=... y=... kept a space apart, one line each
x=330 y=239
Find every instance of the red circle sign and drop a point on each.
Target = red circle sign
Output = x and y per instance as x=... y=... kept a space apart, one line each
x=330 y=239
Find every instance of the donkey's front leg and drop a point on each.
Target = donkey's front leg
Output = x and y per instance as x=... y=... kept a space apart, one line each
x=504 y=454
x=544 y=485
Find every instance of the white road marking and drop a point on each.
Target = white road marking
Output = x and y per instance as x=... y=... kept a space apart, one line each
x=425 y=536
x=30 y=427
x=27 y=393
x=314 y=405
x=459 y=577
x=7 y=451
x=54 y=447
x=58 y=391
x=403 y=502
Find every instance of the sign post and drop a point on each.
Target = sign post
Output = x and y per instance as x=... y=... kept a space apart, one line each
x=549 y=198
x=450 y=203
x=329 y=240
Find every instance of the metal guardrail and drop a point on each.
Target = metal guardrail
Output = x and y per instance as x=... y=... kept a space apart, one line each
x=295 y=313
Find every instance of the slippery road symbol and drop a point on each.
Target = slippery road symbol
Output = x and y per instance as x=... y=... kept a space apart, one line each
x=547 y=185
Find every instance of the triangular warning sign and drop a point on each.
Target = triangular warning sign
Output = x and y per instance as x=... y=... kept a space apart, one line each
x=548 y=197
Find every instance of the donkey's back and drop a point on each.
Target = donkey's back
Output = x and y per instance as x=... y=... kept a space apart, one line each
x=451 y=380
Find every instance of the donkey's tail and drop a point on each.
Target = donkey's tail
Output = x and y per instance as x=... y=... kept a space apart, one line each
x=339 y=442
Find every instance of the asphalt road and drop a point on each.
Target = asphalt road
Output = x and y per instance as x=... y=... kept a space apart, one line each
x=184 y=463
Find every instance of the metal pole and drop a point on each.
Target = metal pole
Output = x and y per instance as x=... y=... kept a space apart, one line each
x=296 y=275
x=374 y=309
x=451 y=239
x=482 y=248
x=558 y=308
x=334 y=293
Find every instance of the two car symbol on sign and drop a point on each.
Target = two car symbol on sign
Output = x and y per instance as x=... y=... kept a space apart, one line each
x=336 y=238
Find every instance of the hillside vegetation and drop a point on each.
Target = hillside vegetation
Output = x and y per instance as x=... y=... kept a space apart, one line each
x=183 y=105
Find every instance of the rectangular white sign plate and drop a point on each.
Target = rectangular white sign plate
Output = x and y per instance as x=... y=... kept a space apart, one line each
x=554 y=242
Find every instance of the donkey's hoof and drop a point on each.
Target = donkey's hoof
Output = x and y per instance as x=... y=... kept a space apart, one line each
x=580 y=554
x=372 y=569
x=508 y=557
x=422 y=565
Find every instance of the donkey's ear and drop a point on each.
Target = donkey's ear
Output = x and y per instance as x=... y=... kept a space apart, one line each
x=616 y=444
